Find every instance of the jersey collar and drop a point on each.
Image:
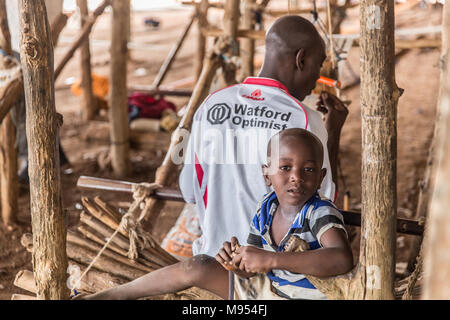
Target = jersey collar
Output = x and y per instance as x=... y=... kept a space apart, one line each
x=265 y=82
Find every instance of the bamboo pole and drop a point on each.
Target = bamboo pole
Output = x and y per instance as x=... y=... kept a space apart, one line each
x=118 y=113
x=88 y=102
x=82 y=37
x=9 y=184
x=437 y=239
x=172 y=54
x=42 y=123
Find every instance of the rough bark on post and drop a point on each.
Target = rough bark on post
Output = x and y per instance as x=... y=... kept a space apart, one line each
x=248 y=45
x=118 y=113
x=88 y=104
x=202 y=22
x=379 y=97
x=49 y=233
x=437 y=239
x=9 y=189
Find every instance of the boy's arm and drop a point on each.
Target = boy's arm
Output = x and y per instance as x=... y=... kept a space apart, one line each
x=335 y=257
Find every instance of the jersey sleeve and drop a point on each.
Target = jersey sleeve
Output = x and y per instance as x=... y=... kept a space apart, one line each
x=323 y=218
x=187 y=179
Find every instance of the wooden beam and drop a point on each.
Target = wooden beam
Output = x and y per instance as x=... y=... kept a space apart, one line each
x=379 y=97
x=172 y=54
x=352 y=218
x=437 y=239
x=47 y=218
x=9 y=184
x=88 y=101
x=84 y=36
x=118 y=112
x=247 y=45
x=202 y=21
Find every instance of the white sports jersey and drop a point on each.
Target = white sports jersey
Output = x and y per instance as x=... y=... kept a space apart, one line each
x=222 y=172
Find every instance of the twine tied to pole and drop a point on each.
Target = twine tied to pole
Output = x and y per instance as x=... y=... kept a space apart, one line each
x=132 y=224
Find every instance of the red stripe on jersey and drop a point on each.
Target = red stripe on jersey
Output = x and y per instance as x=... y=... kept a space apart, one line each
x=274 y=83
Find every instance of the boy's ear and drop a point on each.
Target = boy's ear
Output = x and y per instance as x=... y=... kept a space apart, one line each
x=323 y=173
x=300 y=59
x=265 y=171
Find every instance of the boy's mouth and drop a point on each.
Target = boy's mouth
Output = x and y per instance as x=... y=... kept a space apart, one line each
x=295 y=191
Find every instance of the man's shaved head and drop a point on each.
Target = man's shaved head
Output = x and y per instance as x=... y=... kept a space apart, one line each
x=290 y=33
x=294 y=54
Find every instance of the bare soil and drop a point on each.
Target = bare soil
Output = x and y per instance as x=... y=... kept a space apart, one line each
x=416 y=71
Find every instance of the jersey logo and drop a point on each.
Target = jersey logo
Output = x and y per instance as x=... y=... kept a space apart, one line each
x=218 y=113
x=255 y=95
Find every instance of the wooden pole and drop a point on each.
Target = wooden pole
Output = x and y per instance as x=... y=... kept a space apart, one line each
x=88 y=104
x=49 y=232
x=248 y=45
x=437 y=239
x=82 y=37
x=379 y=97
x=9 y=185
x=172 y=54
x=202 y=22
x=118 y=113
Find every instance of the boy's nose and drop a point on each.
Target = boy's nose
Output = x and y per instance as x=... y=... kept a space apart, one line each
x=296 y=176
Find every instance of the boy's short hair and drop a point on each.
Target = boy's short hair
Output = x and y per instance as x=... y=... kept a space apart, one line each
x=300 y=134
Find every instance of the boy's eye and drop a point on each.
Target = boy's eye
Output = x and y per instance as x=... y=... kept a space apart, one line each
x=309 y=169
x=285 y=168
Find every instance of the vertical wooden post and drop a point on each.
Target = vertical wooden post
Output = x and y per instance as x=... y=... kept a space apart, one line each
x=118 y=115
x=202 y=22
x=248 y=45
x=88 y=104
x=42 y=124
x=437 y=238
x=9 y=189
x=231 y=23
x=379 y=97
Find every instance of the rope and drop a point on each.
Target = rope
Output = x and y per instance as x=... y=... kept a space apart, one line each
x=413 y=277
x=130 y=224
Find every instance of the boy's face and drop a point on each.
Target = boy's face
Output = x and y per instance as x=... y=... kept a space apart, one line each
x=297 y=171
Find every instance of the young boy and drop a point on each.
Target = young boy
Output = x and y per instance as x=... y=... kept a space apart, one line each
x=262 y=269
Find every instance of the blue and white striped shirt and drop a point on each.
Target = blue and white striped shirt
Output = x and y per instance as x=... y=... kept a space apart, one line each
x=316 y=216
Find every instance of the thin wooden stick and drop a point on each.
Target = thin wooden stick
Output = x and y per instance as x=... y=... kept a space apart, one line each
x=82 y=37
x=172 y=54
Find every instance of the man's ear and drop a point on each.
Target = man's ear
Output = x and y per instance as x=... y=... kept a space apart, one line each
x=265 y=171
x=300 y=59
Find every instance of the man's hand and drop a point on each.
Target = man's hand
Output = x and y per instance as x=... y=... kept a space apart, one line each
x=335 y=110
x=253 y=260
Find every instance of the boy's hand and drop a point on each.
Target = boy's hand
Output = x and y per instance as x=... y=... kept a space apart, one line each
x=225 y=255
x=253 y=260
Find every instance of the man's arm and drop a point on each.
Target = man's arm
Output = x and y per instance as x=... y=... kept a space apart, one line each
x=336 y=115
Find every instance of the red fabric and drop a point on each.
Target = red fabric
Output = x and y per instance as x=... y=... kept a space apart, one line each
x=148 y=106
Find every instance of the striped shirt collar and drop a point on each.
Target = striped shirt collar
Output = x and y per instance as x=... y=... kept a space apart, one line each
x=268 y=208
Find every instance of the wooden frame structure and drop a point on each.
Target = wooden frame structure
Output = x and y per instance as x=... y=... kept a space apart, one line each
x=372 y=278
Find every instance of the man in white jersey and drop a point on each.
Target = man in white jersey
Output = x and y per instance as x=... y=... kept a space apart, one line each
x=231 y=129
